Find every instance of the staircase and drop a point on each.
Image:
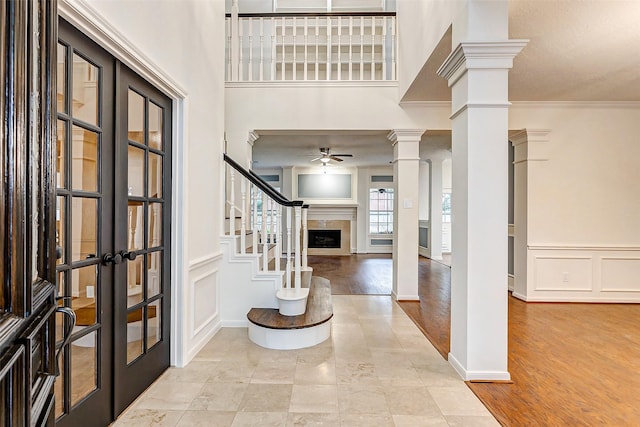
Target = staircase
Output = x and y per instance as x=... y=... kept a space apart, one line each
x=266 y=283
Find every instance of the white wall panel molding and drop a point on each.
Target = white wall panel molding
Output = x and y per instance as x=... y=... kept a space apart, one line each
x=589 y=247
x=205 y=290
x=620 y=274
x=205 y=260
x=582 y=274
x=204 y=320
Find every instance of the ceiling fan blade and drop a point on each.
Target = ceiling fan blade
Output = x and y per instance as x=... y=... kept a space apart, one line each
x=343 y=155
x=337 y=159
x=316 y=159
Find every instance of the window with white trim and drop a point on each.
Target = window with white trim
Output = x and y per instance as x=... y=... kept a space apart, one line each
x=381 y=210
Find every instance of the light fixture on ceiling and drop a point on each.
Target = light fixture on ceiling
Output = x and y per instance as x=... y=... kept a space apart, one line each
x=325 y=160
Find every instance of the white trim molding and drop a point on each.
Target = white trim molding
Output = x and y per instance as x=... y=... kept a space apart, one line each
x=486 y=376
x=480 y=55
x=602 y=274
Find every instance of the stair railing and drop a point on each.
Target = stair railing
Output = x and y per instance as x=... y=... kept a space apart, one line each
x=262 y=209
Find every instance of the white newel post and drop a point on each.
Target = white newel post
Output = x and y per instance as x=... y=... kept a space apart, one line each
x=477 y=73
x=305 y=237
x=278 y=257
x=232 y=202
x=254 y=221
x=264 y=235
x=288 y=265
x=406 y=170
x=235 y=38
x=297 y=228
x=243 y=216
x=435 y=209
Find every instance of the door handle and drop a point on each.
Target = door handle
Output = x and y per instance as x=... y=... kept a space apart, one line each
x=110 y=258
x=67 y=333
x=128 y=255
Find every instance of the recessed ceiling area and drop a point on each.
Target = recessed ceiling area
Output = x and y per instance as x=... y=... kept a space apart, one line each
x=275 y=149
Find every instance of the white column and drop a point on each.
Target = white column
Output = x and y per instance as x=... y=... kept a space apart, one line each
x=477 y=73
x=406 y=170
x=531 y=148
x=435 y=209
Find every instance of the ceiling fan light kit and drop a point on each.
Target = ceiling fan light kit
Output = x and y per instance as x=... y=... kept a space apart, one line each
x=326 y=156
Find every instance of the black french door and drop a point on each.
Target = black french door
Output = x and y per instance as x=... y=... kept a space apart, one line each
x=113 y=191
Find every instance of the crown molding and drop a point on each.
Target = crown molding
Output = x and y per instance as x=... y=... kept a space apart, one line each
x=84 y=17
x=530 y=145
x=405 y=135
x=425 y=104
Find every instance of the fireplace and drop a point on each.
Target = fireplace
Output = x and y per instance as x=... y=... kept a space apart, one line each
x=324 y=239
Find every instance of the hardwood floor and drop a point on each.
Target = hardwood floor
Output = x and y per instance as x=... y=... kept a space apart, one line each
x=361 y=274
x=571 y=364
x=432 y=313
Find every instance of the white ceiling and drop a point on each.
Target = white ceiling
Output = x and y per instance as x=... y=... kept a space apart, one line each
x=579 y=50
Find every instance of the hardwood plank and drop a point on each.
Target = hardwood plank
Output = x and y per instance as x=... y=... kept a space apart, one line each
x=319 y=310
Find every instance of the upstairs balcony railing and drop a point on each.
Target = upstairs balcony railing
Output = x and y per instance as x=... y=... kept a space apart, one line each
x=311 y=47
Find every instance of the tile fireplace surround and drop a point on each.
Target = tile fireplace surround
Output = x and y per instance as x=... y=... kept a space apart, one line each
x=332 y=224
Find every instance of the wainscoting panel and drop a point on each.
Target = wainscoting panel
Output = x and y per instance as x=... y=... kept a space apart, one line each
x=202 y=303
x=620 y=274
x=582 y=274
x=563 y=273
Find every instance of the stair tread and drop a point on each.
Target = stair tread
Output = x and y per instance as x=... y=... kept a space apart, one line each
x=319 y=310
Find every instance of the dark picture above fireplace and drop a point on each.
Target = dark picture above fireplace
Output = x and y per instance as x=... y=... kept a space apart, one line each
x=326 y=239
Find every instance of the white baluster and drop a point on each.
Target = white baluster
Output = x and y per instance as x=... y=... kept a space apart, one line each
x=393 y=48
x=232 y=203
x=240 y=52
x=235 y=42
x=317 y=43
x=274 y=42
x=384 y=48
x=306 y=45
x=278 y=237
x=254 y=222
x=261 y=74
x=288 y=265
x=305 y=238
x=339 y=47
x=350 y=48
x=294 y=26
x=297 y=271
x=328 y=48
x=264 y=234
x=250 y=40
x=362 y=48
x=243 y=217
x=373 y=48
x=229 y=48
x=282 y=71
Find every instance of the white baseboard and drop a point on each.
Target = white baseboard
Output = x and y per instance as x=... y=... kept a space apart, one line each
x=477 y=375
x=398 y=297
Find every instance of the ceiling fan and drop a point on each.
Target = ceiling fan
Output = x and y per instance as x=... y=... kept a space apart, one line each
x=326 y=156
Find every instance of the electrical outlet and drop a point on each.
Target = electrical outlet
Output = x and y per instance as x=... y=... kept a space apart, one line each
x=90 y=292
x=565 y=277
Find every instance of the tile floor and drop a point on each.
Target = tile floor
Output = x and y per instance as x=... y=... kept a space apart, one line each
x=377 y=369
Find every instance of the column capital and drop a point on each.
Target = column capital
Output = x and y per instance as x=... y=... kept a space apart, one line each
x=253 y=137
x=480 y=55
x=530 y=145
x=405 y=135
